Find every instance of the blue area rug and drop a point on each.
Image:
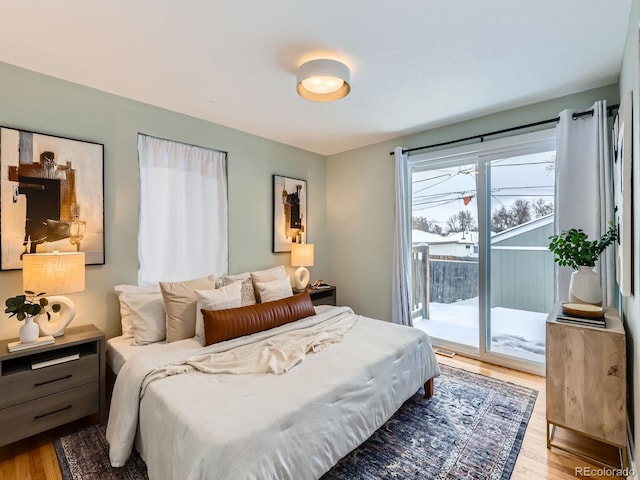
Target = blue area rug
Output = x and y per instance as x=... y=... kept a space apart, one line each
x=472 y=428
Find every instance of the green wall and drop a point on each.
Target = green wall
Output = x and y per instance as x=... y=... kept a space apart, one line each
x=360 y=200
x=36 y=102
x=631 y=305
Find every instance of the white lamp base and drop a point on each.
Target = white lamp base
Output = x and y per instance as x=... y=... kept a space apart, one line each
x=56 y=327
x=301 y=278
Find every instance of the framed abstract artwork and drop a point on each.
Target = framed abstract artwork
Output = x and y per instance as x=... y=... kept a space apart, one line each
x=51 y=196
x=289 y=212
x=623 y=194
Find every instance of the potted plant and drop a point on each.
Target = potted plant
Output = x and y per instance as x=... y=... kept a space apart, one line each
x=26 y=307
x=572 y=248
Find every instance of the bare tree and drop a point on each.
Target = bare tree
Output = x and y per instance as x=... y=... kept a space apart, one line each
x=426 y=225
x=519 y=213
x=500 y=220
x=461 y=222
x=542 y=207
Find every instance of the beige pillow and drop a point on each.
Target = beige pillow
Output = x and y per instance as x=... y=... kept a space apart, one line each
x=180 y=305
x=218 y=299
x=268 y=275
x=274 y=290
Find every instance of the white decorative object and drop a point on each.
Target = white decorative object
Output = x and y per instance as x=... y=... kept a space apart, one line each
x=584 y=286
x=29 y=332
x=301 y=256
x=301 y=278
x=56 y=325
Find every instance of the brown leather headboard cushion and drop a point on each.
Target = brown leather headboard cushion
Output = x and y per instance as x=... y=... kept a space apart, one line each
x=220 y=325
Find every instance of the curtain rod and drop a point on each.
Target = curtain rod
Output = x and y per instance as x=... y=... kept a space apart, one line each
x=574 y=116
x=184 y=143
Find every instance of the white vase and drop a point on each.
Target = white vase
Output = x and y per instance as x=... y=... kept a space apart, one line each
x=584 y=286
x=30 y=331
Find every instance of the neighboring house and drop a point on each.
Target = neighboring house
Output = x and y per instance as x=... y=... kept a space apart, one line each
x=521 y=260
x=460 y=244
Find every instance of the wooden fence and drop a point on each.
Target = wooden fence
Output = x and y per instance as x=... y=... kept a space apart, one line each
x=442 y=279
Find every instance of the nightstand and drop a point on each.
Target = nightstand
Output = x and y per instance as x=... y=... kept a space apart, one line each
x=321 y=296
x=586 y=382
x=36 y=400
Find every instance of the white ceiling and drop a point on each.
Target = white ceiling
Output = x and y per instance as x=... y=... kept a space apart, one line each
x=415 y=64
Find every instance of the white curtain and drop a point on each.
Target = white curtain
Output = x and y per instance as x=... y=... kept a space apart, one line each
x=401 y=297
x=182 y=232
x=584 y=196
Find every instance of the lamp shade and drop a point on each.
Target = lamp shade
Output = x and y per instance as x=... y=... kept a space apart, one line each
x=323 y=80
x=302 y=254
x=53 y=273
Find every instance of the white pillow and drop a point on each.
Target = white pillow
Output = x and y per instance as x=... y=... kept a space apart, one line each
x=132 y=298
x=228 y=296
x=274 y=290
x=268 y=275
x=149 y=322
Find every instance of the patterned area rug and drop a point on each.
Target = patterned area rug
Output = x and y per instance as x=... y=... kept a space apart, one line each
x=472 y=428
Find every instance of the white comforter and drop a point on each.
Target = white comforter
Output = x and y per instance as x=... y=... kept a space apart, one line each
x=264 y=426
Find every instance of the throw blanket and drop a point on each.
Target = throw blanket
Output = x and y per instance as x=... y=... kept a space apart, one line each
x=125 y=401
x=277 y=354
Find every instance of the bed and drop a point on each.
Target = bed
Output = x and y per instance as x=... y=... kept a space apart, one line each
x=295 y=425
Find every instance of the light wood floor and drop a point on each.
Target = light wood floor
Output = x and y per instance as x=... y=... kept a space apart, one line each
x=35 y=458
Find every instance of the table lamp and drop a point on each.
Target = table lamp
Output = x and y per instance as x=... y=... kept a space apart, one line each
x=301 y=256
x=53 y=274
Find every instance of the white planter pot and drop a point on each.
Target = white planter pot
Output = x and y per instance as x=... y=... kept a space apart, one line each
x=30 y=331
x=584 y=286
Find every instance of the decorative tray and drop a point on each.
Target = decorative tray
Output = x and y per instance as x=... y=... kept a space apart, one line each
x=582 y=310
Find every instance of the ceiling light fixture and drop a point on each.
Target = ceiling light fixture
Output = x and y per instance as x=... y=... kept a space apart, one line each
x=323 y=80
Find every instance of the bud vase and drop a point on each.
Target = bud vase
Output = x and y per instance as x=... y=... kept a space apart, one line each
x=584 y=286
x=30 y=331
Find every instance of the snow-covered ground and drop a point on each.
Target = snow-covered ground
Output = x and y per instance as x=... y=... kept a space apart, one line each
x=514 y=332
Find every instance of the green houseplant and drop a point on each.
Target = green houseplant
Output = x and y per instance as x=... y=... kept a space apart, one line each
x=573 y=248
x=26 y=307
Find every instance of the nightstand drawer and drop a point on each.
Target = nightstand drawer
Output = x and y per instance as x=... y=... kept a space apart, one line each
x=44 y=413
x=24 y=386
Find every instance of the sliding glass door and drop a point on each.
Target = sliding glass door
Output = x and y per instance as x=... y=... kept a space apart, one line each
x=482 y=272
x=445 y=242
x=521 y=281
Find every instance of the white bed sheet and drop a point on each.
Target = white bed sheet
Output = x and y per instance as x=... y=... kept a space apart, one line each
x=293 y=426
x=122 y=348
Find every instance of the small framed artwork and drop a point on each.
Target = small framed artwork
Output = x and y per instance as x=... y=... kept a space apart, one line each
x=289 y=212
x=51 y=196
x=623 y=195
